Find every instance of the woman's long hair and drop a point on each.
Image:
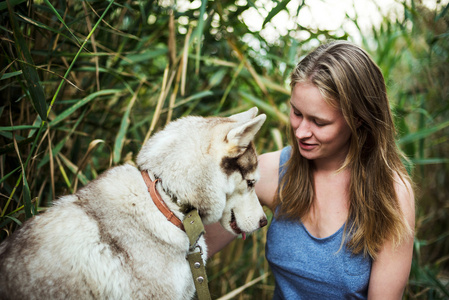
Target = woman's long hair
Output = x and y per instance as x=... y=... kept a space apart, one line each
x=346 y=76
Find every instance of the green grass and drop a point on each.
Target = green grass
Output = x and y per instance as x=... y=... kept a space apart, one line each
x=85 y=83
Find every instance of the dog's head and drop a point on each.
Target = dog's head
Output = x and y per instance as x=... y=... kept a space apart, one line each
x=210 y=164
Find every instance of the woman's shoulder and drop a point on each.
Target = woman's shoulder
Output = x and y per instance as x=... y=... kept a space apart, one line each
x=406 y=197
x=270 y=159
x=270 y=162
x=274 y=159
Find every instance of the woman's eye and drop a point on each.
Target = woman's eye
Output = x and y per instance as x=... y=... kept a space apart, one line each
x=319 y=123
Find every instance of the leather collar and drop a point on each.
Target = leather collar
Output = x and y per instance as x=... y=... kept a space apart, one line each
x=160 y=204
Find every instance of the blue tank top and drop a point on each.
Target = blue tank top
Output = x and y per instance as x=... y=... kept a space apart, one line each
x=306 y=267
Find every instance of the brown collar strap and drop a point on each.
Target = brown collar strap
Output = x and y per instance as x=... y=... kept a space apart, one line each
x=160 y=204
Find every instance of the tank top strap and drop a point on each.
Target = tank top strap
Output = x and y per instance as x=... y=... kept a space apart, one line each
x=285 y=156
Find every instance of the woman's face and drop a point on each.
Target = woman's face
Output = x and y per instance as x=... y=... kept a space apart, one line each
x=320 y=128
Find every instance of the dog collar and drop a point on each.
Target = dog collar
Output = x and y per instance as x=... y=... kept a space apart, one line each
x=160 y=204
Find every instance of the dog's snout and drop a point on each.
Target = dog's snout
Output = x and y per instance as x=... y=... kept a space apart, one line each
x=263 y=222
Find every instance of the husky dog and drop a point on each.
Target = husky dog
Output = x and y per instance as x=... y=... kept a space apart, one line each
x=110 y=241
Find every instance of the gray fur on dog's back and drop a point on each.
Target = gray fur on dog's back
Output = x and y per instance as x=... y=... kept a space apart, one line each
x=99 y=235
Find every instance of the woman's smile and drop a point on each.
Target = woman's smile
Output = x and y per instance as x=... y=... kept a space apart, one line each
x=307 y=146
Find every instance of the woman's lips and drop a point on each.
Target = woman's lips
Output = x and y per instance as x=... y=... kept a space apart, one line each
x=306 y=146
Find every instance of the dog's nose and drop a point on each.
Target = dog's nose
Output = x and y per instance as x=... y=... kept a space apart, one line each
x=263 y=222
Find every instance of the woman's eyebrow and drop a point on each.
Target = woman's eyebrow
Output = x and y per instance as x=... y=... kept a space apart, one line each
x=294 y=107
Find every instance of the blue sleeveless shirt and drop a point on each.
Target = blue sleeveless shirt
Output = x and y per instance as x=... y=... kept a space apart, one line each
x=306 y=267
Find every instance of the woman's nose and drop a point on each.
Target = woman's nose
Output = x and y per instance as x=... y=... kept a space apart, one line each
x=303 y=131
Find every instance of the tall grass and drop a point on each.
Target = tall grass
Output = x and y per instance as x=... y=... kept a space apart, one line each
x=85 y=83
x=419 y=86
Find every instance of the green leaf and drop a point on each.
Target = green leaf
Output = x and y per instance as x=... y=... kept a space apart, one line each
x=193 y=97
x=65 y=114
x=217 y=77
x=30 y=74
x=5 y=222
x=10 y=75
x=281 y=6
x=429 y=161
x=9 y=174
x=61 y=19
x=144 y=56
x=442 y=13
x=441 y=286
x=265 y=106
x=19 y=127
x=77 y=55
x=42 y=25
x=4 y=4
x=15 y=220
x=27 y=197
x=199 y=33
x=57 y=149
x=120 y=140
x=421 y=134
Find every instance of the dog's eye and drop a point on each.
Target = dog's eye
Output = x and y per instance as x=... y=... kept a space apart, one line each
x=250 y=183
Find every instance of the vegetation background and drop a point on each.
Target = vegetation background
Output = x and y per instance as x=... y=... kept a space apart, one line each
x=84 y=83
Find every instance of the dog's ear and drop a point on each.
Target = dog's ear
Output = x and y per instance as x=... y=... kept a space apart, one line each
x=244 y=116
x=239 y=137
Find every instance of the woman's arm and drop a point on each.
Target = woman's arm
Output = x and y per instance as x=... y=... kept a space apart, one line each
x=391 y=269
x=216 y=236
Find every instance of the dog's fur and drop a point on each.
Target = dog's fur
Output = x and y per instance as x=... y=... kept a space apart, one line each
x=109 y=240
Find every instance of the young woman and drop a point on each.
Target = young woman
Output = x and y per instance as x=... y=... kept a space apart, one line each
x=342 y=200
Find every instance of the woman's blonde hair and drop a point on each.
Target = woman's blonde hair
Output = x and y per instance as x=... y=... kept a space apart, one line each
x=346 y=76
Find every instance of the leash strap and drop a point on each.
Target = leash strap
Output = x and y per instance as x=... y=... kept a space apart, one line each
x=195 y=229
x=199 y=275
